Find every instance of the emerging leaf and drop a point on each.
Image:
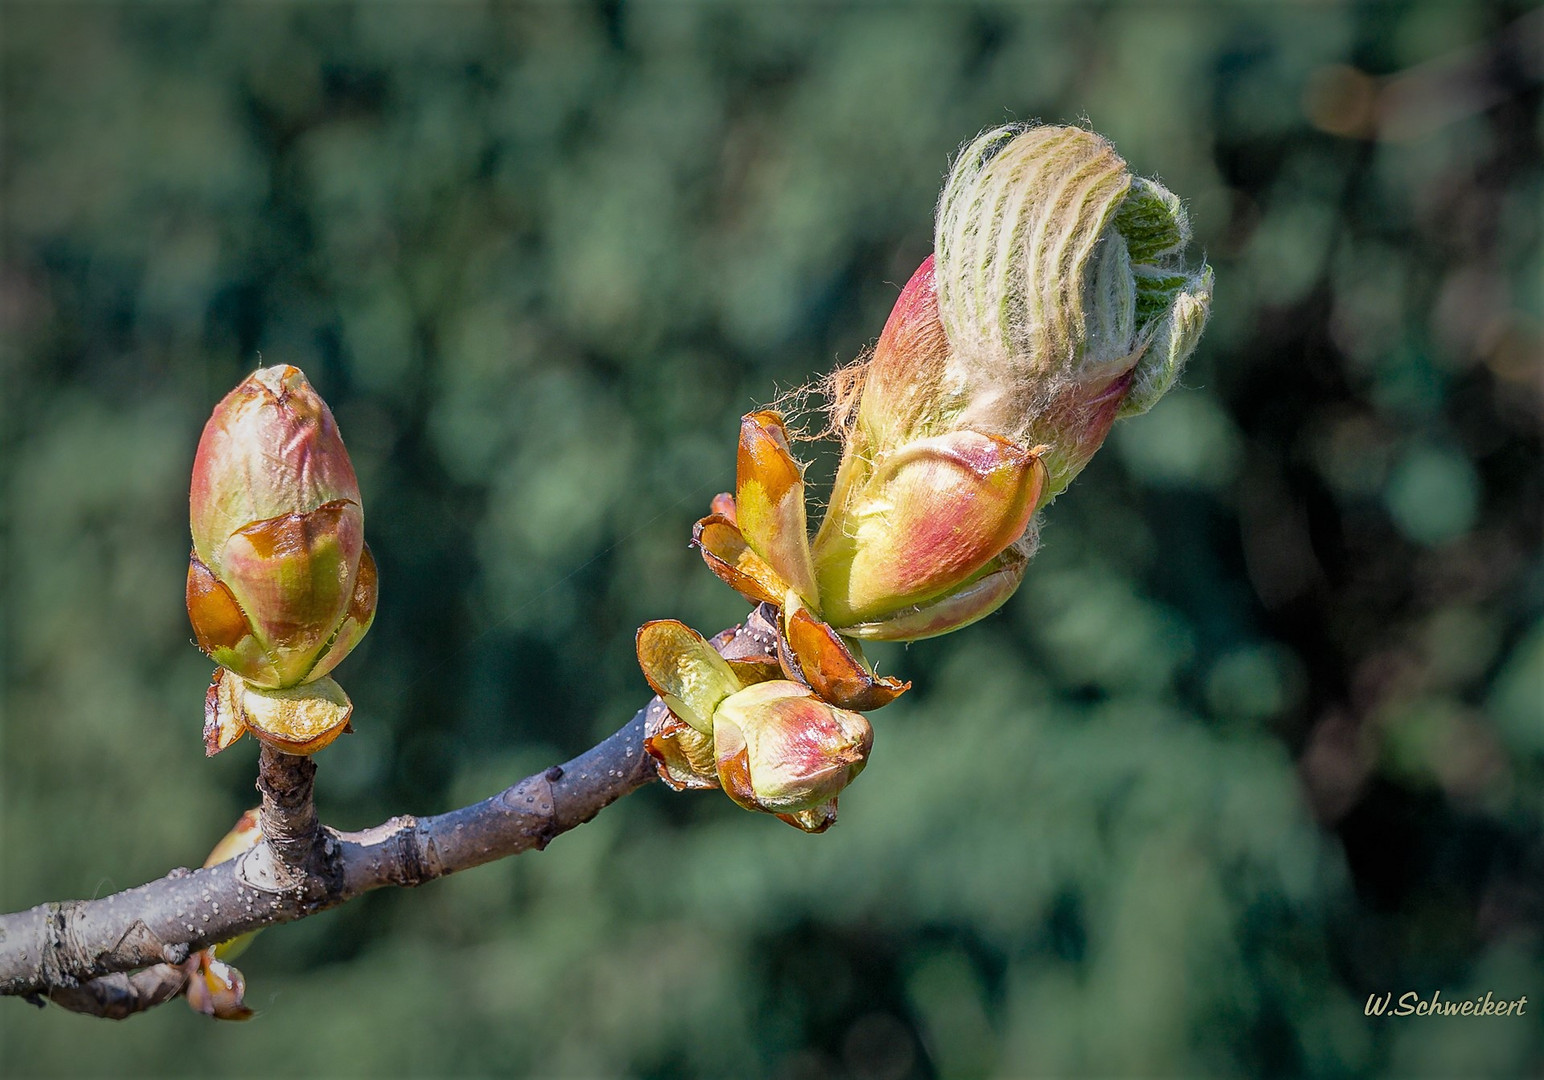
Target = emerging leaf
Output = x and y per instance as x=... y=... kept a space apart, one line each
x=685 y=671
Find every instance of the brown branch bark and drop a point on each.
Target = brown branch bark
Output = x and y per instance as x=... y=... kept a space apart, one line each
x=121 y=995
x=75 y=952
x=290 y=826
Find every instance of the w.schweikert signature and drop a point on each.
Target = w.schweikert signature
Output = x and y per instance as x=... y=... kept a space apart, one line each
x=1411 y=1003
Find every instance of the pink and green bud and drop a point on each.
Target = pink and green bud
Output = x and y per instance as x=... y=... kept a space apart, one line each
x=280 y=585
x=898 y=395
x=1057 y=301
x=902 y=445
x=782 y=750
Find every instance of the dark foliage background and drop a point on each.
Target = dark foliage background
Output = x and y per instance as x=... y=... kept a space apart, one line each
x=1262 y=733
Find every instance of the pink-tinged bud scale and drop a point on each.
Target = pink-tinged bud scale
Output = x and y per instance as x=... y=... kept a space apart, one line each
x=977 y=598
x=270 y=448
x=931 y=513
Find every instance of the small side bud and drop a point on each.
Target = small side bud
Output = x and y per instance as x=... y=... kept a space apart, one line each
x=214 y=987
x=1057 y=300
x=782 y=750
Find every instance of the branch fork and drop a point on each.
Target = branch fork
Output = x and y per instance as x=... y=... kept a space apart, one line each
x=120 y=954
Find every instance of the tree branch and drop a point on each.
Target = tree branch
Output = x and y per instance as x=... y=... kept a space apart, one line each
x=72 y=951
x=290 y=825
x=76 y=953
x=121 y=995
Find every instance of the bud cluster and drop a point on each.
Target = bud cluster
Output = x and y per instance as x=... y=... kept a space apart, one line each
x=770 y=742
x=1056 y=301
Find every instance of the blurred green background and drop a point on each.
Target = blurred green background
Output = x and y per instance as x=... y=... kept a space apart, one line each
x=1262 y=733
